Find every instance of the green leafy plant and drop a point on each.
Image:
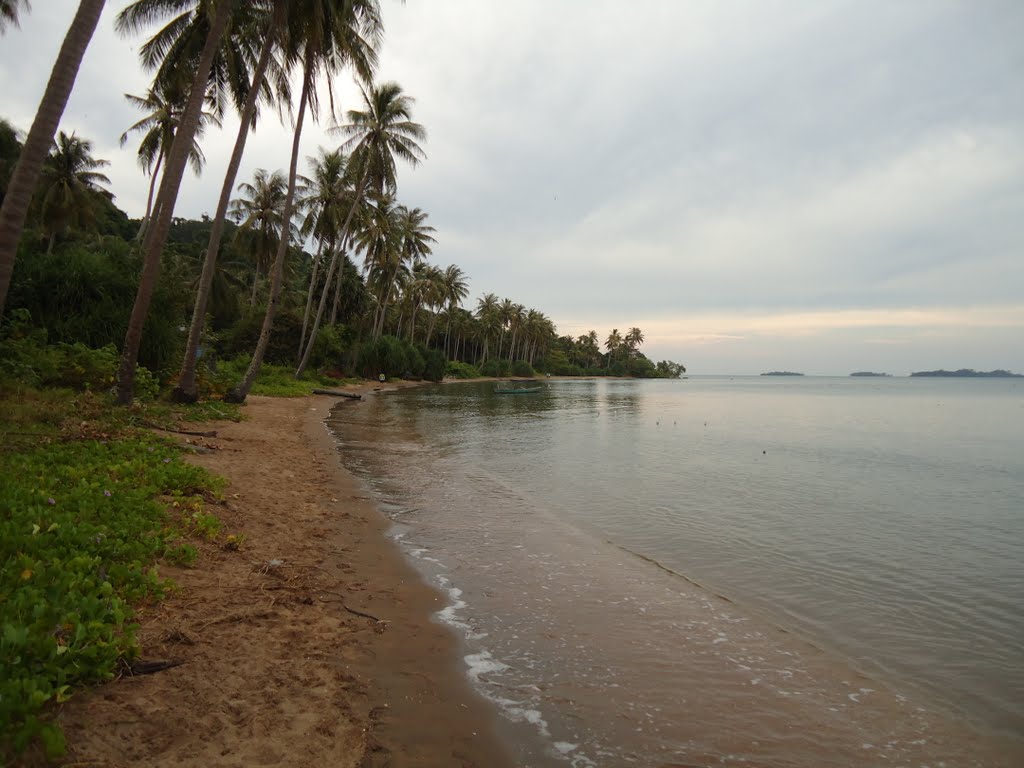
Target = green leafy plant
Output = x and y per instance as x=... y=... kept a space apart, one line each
x=82 y=523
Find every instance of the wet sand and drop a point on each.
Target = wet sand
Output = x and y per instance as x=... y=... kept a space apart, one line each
x=278 y=667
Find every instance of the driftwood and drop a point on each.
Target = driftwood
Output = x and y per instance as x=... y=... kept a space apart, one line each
x=338 y=393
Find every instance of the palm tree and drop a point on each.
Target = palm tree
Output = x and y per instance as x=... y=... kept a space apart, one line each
x=157 y=128
x=487 y=312
x=260 y=213
x=516 y=321
x=613 y=344
x=324 y=198
x=9 y=10
x=633 y=340
x=273 y=24
x=422 y=290
x=324 y=35
x=132 y=18
x=455 y=290
x=414 y=238
x=40 y=135
x=69 y=178
x=377 y=135
x=589 y=348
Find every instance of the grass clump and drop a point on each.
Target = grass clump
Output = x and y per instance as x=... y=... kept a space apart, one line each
x=278 y=380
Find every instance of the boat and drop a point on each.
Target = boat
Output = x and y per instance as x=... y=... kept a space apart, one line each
x=516 y=390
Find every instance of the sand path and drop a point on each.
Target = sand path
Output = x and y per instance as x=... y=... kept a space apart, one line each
x=275 y=670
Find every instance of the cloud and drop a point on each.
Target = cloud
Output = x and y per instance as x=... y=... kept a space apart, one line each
x=738 y=178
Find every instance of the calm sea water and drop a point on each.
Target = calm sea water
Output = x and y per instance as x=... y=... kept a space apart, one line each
x=722 y=571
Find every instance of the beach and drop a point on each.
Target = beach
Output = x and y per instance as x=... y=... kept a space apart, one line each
x=313 y=643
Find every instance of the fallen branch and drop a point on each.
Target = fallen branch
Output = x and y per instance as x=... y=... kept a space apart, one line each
x=210 y=433
x=338 y=393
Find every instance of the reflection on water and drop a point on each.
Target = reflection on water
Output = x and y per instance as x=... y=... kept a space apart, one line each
x=875 y=520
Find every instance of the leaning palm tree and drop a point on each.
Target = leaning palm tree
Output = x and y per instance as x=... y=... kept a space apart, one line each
x=40 y=135
x=9 y=11
x=69 y=180
x=377 y=136
x=326 y=200
x=162 y=113
x=270 y=29
x=323 y=36
x=259 y=212
x=133 y=18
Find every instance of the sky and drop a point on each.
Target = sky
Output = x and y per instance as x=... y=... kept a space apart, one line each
x=822 y=187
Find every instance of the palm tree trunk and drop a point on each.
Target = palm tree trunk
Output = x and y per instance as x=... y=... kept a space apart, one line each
x=240 y=392
x=309 y=297
x=156 y=234
x=342 y=238
x=307 y=349
x=337 y=293
x=40 y=136
x=149 y=201
x=430 y=328
x=186 y=389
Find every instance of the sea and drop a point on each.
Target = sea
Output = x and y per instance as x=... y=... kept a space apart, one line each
x=737 y=571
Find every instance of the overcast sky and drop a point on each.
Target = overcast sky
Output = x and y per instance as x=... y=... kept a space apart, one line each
x=821 y=186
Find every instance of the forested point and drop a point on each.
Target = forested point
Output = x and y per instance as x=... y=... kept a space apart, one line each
x=387 y=308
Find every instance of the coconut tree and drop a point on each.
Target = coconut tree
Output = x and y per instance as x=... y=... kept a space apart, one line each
x=488 y=313
x=613 y=344
x=162 y=113
x=422 y=290
x=455 y=290
x=270 y=28
x=69 y=179
x=322 y=36
x=323 y=197
x=132 y=18
x=9 y=11
x=40 y=136
x=259 y=212
x=633 y=339
x=378 y=135
x=517 y=319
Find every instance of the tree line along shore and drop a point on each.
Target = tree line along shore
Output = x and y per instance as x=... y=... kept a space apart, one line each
x=116 y=333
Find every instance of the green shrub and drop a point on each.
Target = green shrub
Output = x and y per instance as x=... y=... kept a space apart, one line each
x=495 y=367
x=522 y=368
x=396 y=358
x=434 y=368
x=84 y=292
x=456 y=369
x=273 y=380
x=27 y=360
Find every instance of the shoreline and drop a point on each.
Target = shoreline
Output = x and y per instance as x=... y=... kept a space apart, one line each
x=280 y=661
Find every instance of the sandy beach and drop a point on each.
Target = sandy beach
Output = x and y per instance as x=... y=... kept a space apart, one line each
x=311 y=644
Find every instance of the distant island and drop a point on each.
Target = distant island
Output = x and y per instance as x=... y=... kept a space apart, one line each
x=970 y=373
x=781 y=373
x=869 y=373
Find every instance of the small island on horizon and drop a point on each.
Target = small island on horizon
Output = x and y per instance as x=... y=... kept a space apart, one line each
x=781 y=373
x=869 y=373
x=970 y=373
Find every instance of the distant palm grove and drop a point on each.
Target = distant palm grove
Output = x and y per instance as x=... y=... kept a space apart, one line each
x=317 y=265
